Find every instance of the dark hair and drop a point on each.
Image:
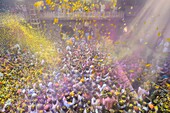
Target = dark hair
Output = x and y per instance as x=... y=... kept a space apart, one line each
x=64 y=108
x=32 y=108
x=54 y=101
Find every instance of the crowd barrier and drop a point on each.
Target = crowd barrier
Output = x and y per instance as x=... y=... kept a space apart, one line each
x=84 y=15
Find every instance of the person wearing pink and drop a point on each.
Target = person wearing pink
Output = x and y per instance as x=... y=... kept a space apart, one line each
x=108 y=101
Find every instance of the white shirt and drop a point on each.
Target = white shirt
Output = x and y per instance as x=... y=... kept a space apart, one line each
x=102 y=7
x=102 y=87
x=141 y=92
x=166 y=47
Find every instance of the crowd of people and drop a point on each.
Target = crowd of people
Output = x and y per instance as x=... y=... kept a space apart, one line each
x=86 y=80
x=83 y=82
x=69 y=6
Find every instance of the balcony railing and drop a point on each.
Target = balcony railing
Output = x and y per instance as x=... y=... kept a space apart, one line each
x=81 y=15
